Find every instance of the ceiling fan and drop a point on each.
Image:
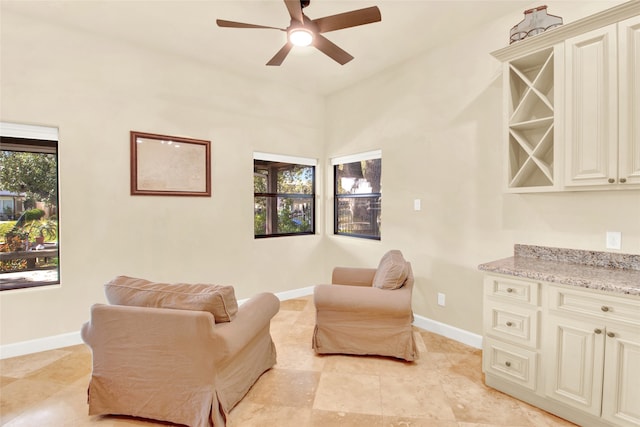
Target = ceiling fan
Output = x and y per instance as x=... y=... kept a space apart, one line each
x=303 y=31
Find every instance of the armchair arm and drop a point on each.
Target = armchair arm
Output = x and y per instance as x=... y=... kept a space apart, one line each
x=359 y=299
x=253 y=316
x=353 y=276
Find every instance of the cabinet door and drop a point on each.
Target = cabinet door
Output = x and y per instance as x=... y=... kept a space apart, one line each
x=573 y=359
x=591 y=107
x=629 y=76
x=621 y=390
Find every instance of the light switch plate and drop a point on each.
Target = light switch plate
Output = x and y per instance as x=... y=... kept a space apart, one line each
x=614 y=240
x=417 y=205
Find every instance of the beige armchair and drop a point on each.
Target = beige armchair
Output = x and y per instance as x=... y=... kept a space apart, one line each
x=176 y=364
x=367 y=311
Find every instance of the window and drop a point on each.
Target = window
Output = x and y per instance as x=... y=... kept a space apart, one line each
x=358 y=195
x=29 y=203
x=283 y=195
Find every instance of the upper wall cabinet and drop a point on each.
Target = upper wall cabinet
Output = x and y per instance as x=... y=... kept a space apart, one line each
x=603 y=106
x=629 y=87
x=531 y=111
x=572 y=105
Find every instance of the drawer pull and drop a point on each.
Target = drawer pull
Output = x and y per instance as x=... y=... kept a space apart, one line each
x=509 y=324
x=604 y=308
x=611 y=334
x=509 y=290
x=597 y=331
x=507 y=364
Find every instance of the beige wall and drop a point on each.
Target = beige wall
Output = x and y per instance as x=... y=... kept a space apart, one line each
x=96 y=91
x=436 y=119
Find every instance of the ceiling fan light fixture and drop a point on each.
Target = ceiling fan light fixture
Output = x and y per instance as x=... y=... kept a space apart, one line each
x=300 y=37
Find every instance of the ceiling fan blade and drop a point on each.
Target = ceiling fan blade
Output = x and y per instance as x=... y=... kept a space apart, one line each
x=295 y=9
x=330 y=49
x=348 y=19
x=282 y=53
x=233 y=24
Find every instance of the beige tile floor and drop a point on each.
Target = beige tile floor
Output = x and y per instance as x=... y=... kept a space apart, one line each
x=444 y=388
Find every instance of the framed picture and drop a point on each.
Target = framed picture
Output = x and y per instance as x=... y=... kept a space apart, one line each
x=169 y=165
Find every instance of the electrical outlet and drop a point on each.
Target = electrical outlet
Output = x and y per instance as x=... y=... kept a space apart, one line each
x=416 y=205
x=614 y=240
x=440 y=299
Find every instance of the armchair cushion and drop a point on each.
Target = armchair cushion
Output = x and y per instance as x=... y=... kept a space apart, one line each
x=392 y=271
x=218 y=300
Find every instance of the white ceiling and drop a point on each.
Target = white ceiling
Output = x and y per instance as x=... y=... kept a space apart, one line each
x=187 y=28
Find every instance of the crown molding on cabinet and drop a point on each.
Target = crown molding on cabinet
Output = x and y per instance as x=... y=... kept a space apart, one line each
x=563 y=32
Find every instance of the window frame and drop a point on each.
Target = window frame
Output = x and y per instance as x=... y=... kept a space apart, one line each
x=34 y=139
x=278 y=159
x=335 y=163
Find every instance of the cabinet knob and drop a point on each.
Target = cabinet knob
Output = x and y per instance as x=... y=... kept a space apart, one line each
x=604 y=308
x=509 y=290
x=507 y=363
x=611 y=334
x=611 y=180
x=597 y=331
x=623 y=180
x=509 y=324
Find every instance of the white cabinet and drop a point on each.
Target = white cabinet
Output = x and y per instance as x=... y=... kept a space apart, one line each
x=531 y=108
x=592 y=354
x=568 y=350
x=572 y=105
x=602 y=127
x=511 y=319
x=622 y=376
x=629 y=92
x=575 y=360
x=592 y=108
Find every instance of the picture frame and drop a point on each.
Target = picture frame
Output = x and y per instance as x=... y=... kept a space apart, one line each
x=163 y=165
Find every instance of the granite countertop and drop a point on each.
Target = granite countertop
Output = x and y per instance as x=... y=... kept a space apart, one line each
x=604 y=271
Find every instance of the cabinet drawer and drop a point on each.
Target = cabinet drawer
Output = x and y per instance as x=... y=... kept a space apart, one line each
x=594 y=305
x=507 y=289
x=510 y=362
x=513 y=323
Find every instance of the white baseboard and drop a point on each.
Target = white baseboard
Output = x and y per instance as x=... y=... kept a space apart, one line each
x=457 y=334
x=41 y=344
x=73 y=338
x=283 y=296
x=295 y=293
